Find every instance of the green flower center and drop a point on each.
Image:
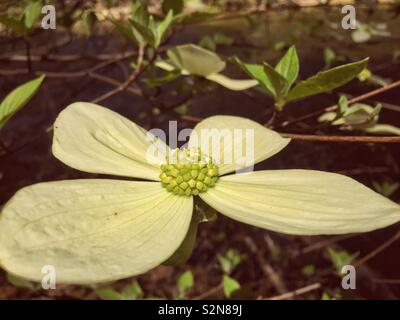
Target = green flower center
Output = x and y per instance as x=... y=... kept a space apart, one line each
x=188 y=173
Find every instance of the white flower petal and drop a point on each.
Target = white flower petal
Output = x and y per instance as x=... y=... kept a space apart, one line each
x=235 y=142
x=91 y=230
x=94 y=139
x=303 y=202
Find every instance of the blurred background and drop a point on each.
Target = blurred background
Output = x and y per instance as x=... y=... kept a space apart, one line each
x=90 y=56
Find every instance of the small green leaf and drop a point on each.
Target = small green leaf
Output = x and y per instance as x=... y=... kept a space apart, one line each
x=142 y=33
x=230 y=260
x=32 y=13
x=195 y=60
x=329 y=57
x=326 y=80
x=230 y=286
x=343 y=104
x=19 y=282
x=308 y=270
x=18 y=98
x=341 y=258
x=256 y=71
x=163 y=26
x=125 y=31
x=383 y=129
x=109 y=294
x=185 y=283
x=288 y=66
x=276 y=83
x=15 y=25
x=132 y=291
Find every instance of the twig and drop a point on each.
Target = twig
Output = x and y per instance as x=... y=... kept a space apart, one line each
x=136 y=72
x=387 y=281
x=312 y=137
x=267 y=268
x=334 y=107
x=297 y=292
x=363 y=139
x=378 y=250
x=209 y=293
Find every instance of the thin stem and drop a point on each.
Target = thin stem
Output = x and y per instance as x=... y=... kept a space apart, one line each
x=334 y=107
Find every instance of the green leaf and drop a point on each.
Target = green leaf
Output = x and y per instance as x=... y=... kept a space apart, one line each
x=175 y=5
x=185 y=283
x=230 y=286
x=308 y=270
x=15 y=25
x=195 y=60
x=142 y=33
x=163 y=26
x=343 y=104
x=140 y=15
x=341 y=258
x=132 y=291
x=18 y=98
x=383 y=129
x=276 y=83
x=256 y=71
x=326 y=80
x=232 y=84
x=288 y=66
x=19 y=282
x=230 y=261
x=32 y=13
x=109 y=294
x=125 y=31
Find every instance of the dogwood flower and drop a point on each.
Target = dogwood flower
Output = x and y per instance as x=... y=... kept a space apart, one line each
x=97 y=230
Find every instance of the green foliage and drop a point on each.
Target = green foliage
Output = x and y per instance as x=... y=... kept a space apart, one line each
x=277 y=82
x=359 y=117
x=132 y=291
x=184 y=284
x=26 y=22
x=365 y=31
x=340 y=258
x=308 y=270
x=386 y=188
x=211 y=42
x=20 y=282
x=17 y=99
x=230 y=260
x=230 y=286
x=325 y=81
x=32 y=13
x=146 y=29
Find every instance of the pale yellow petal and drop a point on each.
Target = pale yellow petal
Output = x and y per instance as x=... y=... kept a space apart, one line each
x=91 y=230
x=303 y=202
x=95 y=139
x=232 y=84
x=235 y=142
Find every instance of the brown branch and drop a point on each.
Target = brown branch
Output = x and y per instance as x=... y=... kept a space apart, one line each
x=292 y=294
x=266 y=268
x=363 y=139
x=135 y=73
x=312 y=137
x=378 y=250
x=334 y=107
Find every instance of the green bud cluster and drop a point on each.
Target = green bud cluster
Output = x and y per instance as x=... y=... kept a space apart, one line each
x=188 y=173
